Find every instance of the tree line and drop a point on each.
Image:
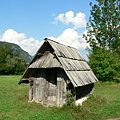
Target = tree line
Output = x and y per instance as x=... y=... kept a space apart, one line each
x=103 y=36
x=11 y=62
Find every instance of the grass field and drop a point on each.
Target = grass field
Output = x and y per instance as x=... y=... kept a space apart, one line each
x=103 y=105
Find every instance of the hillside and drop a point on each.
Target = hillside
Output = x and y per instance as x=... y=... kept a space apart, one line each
x=26 y=55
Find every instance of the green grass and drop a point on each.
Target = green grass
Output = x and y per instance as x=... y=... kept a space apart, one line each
x=104 y=104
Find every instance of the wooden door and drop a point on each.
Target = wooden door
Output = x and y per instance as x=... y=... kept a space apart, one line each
x=38 y=86
x=51 y=87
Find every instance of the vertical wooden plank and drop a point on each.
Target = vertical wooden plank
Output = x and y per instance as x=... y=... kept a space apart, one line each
x=37 y=91
x=40 y=88
x=64 y=91
x=43 y=82
x=40 y=80
x=34 y=91
x=61 y=87
x=58 y=91
x=30 y=91
x=45 y=98
x=31 y=79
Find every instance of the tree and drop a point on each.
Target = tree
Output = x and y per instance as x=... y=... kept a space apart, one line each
x=11 y=63
x=4 y=51
x=103 y=36
x=104 y=25
x=15 y=62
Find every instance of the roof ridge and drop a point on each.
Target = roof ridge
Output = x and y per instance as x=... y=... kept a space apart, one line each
x=46 y=39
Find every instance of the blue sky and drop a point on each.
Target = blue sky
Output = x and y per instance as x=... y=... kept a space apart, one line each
x=28 y=22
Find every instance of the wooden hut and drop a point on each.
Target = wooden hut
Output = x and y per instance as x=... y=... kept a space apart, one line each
x=56 y=70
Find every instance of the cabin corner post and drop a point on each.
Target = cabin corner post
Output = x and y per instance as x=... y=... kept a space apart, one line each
x=61 y=88
x=58 y=92
x=30 y=90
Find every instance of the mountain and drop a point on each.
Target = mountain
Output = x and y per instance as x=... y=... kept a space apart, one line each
x=13 y=47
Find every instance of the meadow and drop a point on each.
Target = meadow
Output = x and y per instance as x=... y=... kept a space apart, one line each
x=104 y=104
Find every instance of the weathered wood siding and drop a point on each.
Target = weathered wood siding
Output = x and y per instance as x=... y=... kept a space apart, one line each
x=50 y=86
x=47 y=60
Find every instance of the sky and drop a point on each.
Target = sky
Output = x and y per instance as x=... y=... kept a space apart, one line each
x=28 y=22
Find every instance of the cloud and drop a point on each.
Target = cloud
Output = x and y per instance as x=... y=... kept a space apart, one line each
x=77 y=20
x=71 y=38
x=28 y=44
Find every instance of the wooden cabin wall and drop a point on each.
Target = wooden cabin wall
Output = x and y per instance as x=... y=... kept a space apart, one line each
x=49 y=87
x=84 y=90
x=45 y=86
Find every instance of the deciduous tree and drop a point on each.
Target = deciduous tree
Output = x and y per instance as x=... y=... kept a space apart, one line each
x=103 y=35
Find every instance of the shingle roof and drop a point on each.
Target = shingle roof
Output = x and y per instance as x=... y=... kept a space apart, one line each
x=67 y=58
x=65 y=51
